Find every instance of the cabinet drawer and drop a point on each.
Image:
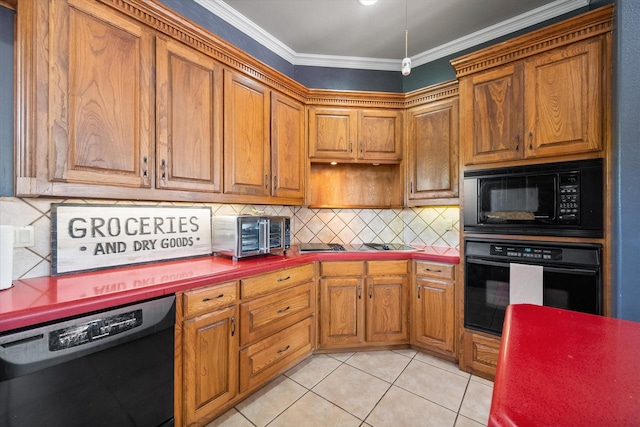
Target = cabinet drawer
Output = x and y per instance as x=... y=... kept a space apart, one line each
x=435 y=270
x=263 y=316
x=280 y=279
x=388 y=268
x=208 y=299
x=263 y=360
x=342 y=268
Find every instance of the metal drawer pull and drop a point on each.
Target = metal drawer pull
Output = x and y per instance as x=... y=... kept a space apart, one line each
x=283 y=349
x=370 y=291
x=209 y=299
x=233 y=325
x=283 y=279
x=530 y=140
x=433 y=271
x=282 y=310
x=359 y=291
x=418 y=291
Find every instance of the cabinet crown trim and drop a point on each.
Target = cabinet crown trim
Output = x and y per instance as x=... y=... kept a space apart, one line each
x=587 y=25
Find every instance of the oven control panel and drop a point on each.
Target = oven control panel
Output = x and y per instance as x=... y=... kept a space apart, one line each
x=527 y=252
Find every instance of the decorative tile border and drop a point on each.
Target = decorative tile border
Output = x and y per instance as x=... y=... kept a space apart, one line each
x=418 y=226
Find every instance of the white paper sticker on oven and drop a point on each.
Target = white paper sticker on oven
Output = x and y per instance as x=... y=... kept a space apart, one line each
x=89 y=237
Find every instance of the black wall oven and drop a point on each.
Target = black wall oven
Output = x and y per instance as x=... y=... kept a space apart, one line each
x=110 y=368
x=554 y=199
x=571 y=278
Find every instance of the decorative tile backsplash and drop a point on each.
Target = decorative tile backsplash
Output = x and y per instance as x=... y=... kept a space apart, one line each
x=419 y=226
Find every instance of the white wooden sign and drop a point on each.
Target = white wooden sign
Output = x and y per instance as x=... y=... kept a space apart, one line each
x=93 y=237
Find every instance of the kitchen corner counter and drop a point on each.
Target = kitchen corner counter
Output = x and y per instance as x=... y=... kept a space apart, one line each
x=44 y=299
x=560 y=367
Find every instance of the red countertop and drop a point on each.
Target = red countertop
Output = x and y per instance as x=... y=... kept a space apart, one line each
x=43 y=299
x=565 y=368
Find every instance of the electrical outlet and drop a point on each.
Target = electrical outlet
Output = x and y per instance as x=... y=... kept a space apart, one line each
x=448 y=224
x=23 y=237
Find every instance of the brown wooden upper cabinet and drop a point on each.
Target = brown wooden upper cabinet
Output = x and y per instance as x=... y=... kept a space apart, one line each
x=264 y=140
x=247 y=156
x=432 y=153
x=96 y=125
x=550 y=104
x=351 y=135
x=287 y=147
x=188 y=119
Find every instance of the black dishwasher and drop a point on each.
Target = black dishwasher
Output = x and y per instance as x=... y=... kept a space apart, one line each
x=108 y=368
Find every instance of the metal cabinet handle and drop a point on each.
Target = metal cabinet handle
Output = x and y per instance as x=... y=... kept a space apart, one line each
x=361 y=147
x=433 y=271
x=145 y=166
x=419 y=286
x=530 y=140
x=275 y=182
x=233 y=325
x=411 y=187
x=359 y=291
x=517 y=143
x=370 y=291
x=283 y=349
x=163 y=168
x=209 y=299
x=282 y=310
x=266 y=181
x=351 y=147
x=282 y=279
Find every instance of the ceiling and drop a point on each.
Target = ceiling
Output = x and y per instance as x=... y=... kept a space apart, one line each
x=346 y=34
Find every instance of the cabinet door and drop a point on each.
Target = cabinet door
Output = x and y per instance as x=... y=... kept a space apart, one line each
x=287 y=147
x=332 y=133
x=433 y=316
x=564 y=100
x=433 y=151
x=387 y=309
x=100 y=96
x=246 y=136
x=492 y=115
x=380 y=135
x=189 y=119
x=210 y=363
x=342 y=312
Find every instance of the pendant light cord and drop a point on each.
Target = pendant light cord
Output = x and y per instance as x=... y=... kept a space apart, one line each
x=406 y=29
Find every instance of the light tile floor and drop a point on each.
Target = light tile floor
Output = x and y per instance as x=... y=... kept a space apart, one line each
x=376 y=388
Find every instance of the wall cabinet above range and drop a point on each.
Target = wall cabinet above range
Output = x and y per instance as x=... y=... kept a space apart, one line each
x=355 y=135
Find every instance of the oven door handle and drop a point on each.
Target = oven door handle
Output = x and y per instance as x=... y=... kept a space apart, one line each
x=487 y=262
x=572 y=270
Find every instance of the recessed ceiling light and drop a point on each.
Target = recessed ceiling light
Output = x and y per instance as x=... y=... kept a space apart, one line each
x=367 y=2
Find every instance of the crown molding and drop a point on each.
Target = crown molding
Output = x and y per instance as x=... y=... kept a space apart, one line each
x=517 y=23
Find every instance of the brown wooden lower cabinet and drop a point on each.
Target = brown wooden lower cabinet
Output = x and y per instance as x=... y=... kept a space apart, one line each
x=210 y=346
x=480 y=354
x=227 y=347
x=234 y=337
x=363 y=303
x=265 y=359
x=433 y=316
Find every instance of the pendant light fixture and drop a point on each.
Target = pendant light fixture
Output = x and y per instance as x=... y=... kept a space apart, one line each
x=406 y=62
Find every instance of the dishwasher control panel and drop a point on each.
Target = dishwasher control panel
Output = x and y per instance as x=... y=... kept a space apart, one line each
x=83 y=333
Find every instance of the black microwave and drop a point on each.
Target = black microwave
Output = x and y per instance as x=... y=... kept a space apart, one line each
x=551 y=199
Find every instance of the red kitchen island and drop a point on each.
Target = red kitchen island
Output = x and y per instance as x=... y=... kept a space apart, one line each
x=565 y=368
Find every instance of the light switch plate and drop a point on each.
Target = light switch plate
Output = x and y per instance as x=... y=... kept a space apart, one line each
x=448 y=224
x=23 y=237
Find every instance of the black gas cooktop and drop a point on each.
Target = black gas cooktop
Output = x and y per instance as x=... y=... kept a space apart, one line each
x=328 y=247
